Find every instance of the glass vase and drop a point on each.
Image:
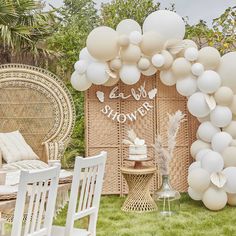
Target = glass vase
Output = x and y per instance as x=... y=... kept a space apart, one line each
x=166 y=198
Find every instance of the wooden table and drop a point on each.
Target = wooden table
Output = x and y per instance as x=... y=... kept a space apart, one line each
x=139 y=198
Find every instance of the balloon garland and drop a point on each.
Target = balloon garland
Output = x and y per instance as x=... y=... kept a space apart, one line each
x=206 y=78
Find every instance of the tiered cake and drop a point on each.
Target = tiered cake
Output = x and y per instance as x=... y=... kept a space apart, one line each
x=138 y=152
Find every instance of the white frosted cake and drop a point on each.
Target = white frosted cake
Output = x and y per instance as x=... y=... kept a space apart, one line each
x=138 y=152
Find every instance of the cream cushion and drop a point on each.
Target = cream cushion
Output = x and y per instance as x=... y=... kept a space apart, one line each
x=25 y=165
x=14 y=148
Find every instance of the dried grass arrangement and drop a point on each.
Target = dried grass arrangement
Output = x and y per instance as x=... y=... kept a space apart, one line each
x=165 y=154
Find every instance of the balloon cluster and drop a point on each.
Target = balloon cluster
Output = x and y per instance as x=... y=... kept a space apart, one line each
x=203 y=76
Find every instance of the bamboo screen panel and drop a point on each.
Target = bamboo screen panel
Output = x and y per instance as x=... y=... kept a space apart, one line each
x=103 y=133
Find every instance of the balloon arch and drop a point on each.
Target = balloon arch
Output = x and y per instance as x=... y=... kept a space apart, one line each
x=203 y=76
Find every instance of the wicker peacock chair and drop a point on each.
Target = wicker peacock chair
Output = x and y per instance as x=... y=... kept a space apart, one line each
x=38 y=104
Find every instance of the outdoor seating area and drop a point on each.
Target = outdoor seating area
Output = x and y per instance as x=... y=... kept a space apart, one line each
x=117 y=117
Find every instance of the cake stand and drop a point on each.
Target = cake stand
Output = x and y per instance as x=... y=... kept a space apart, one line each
x=138 y=164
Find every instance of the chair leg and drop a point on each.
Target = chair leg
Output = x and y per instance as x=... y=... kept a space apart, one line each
x=93 y=224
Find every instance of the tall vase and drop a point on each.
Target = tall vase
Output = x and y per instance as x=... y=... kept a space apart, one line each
x=166 y=198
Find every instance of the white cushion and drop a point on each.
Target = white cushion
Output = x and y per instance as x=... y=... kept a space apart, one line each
x=14 y=148
x=25 y=165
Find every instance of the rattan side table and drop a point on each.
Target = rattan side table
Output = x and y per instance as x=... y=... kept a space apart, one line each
x=139 y=198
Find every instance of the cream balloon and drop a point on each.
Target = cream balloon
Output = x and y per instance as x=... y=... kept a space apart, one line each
x=168 y=60
x=231 y=199
x=231 y=129
x=144 y=64
x=127 y=26
x=227 y=70
x=199 y=179
x=152 y=43
x=203 y=119
x=167 y=78
x=207 y=130
x=115 y=64
x=81 y=66
x=209 y=81
x=197 y=146
x=187 y=43
x=123 y=40
x=158 y=60
x=229 y=156
x=230 y=173
x=135 y=37
x=187 y=86
x=102 y=43
x=224 y=96
x=209 y=57
x=220 y=141
x=150 y=71
x=129 y=74
x=214 y=199
x=212 y=162
x=201 y=154
x=166 y=23
x=130 y=54
x=197 y=69
x=195 y=165
x=181 y=67
x=197 y=196
x=96 y=73
x=111 y=81
x=85 y=55
x=191 y=54
x=197 y=105
x=80 y=82
x=221 y=116
x=233 y=105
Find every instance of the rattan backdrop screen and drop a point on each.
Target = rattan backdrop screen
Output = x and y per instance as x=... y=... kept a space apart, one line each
x=103 y=133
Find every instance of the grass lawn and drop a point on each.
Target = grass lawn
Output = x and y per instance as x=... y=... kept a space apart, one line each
x=194 y=219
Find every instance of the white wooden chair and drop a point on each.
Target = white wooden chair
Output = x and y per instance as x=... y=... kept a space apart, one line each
x=85 y=195
x=36 y=196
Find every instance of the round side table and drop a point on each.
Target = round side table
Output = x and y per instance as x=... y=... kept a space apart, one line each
x=139 y=198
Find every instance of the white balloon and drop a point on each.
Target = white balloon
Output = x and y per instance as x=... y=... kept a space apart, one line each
x=199 y=179
x=81 y=66
x=80 y=82
x=150 y=71
x=166 y=23
x=197 y=105
x=227 y=70
x=85 y=55
x=167 y=78
x=220 y=141
x=212 y=162
x=197 y=196
x=158 y=60
x=194 y=165
x=221 y=116
x=230 y=173
x=127 y=26
x=197 y=69
x=135 y=37
x=191 y=54
x=130 y=74
x=201 y=154
x=209 y=81
x=197 y=146
x=207 y=130
x=96 y=73
x=187 y=86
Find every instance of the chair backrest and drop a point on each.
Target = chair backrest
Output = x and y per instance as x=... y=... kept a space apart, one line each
x=36 y=199
x=86 y=191
x=37 y=103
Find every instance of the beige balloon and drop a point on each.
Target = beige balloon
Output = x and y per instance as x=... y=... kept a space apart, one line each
x=187 y=43
x=167 y=77
x=168 y=58
x=203 y=119
x=209 y=57
x=102 y=43
x=224 y=96
x=231 y=199
x=233 y=105
x=144 y=63
x=181 y=67
x=152 y=43
x=130 y=54
x=197 y=146
x=229 y=156
x=112 y=81
x=214 y=199
x=115 y=64
x=150 y=71
x=231 y=129
x=123 y=40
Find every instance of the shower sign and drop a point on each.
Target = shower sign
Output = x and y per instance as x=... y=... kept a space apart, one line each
x=136 y=94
